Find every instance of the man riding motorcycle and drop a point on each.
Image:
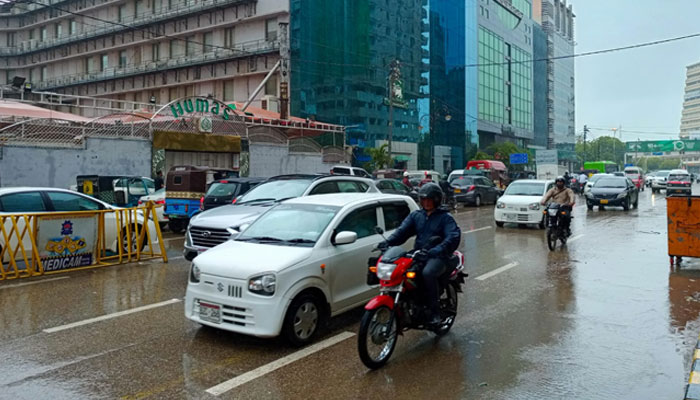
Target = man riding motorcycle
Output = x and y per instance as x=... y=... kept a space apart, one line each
x=430 y=221
x=564 y=196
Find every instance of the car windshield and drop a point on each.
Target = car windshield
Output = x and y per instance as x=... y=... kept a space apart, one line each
x=611 y=183
x=462 y=181
x=290 y=224
x=595 y=178
x=525 y=189
x=679 y=177
x=276 y=190
x=632 y=175
x=222 y=189
x=663 y=174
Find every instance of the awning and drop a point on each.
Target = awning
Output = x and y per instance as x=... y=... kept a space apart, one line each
x=23 y=110
x=402 y=157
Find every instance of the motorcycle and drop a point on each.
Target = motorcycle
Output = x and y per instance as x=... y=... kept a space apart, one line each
x=574 y=185
x=401 y=304
x=555 y=231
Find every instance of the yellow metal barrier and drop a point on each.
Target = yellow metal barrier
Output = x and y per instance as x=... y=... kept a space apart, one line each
x=48 y=243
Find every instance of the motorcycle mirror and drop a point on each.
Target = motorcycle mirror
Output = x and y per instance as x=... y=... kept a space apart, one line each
x=379 y=230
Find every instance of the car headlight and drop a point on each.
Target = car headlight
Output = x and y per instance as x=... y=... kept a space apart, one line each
x=500 y=205
x=195 y=273
x=534 y=206
x=384 y=271
x=263 y=284
x=621 y=195
x=589 y=194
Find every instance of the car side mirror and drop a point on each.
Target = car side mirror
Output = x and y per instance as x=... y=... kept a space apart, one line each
x=345 y=237
x=243 y=227
x=379 y=230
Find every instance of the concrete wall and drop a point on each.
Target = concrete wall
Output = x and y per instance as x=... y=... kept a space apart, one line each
x=52 y=167
x=269 y=160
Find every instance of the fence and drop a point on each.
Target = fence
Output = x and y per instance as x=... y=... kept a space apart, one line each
x=46 y=243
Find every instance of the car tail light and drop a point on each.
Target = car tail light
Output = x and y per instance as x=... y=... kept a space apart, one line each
x=140 y=201
x=234 y=200
x=470 y=188
x=201 y=203
x=160 y=202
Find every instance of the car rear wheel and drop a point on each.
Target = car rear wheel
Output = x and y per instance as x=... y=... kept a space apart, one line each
x=477 y=201
x=303 y=319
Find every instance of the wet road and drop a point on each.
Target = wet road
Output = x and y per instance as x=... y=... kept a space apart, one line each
x=604 y=318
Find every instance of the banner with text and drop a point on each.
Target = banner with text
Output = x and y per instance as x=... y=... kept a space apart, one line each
x=653 y=146
x=67 y=242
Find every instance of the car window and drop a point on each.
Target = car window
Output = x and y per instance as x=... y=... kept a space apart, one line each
x=22 y=202
x=400 y=187
x=384 y=185
x=341 y=171
x=71 y=202
x=361 y=172
x=219 y=189
x=325 y=188
x=276 y=189
x=394 y=214
x=362 y=222
x=351 y=187
x=137 y=188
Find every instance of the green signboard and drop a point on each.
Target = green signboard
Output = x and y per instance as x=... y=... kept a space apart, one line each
x=654 y=146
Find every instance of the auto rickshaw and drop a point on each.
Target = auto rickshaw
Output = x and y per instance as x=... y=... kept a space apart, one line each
x=120 y=191
x=185 y=186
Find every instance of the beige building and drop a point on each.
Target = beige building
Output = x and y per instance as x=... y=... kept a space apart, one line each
x=143 y=50
x=690 y=119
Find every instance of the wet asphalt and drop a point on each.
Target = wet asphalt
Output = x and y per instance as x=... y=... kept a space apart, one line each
x=604 y=318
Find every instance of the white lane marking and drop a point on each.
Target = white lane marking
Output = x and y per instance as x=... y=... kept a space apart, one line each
x=33 y=283
x=496 y=271
x=233 y=383
x=110 y=316
x=479 y=229
x=577 y=237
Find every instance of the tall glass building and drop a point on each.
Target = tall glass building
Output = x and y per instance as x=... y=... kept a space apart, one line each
x=341 y=51
x=539 y=82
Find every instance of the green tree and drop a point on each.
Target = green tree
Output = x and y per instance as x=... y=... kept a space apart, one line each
x=604 y=148
x=481 y=155
x=670 y=163
x=379 y=157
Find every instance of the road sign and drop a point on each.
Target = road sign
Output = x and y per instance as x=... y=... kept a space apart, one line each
x=543 y=157
x=663 y=145
x=518 y=158
x=658 y=153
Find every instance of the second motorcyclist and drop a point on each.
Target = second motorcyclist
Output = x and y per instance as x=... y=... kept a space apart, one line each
x=563 y=196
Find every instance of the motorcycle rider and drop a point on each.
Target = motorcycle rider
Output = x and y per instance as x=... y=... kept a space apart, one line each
x=567 y=179
x=431 y=220
x=407 y=179
x=564 y=196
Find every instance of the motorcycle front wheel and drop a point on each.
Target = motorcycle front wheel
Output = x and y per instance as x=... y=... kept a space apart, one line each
x=377 y=337
x=551 y=239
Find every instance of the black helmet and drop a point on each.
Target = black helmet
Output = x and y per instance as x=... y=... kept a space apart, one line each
x=431 y=191
x=560 y=178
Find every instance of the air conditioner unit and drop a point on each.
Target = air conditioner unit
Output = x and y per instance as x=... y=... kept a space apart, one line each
x=270 y=103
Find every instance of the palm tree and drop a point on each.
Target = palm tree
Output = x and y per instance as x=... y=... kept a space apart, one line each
x=379 y=156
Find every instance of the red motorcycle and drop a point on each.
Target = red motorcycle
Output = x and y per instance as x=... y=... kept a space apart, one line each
x=401 y=304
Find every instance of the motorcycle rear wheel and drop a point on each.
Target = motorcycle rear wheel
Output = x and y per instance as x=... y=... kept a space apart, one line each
x=448 y=310
x=373 y=332
x=551 y=239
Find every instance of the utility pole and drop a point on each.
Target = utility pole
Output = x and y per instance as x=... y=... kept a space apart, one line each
x=284 y=70
x=394 y=76
x=585 y=135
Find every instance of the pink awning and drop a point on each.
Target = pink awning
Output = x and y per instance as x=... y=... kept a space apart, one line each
x=23 y=110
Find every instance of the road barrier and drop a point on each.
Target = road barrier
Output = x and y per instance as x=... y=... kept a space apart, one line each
x=37 y=244
x=683 y=217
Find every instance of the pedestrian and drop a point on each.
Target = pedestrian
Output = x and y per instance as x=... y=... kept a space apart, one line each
x=159 y=180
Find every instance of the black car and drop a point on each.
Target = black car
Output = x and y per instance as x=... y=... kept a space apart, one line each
x=475 y=190
x=615 y=191
x=225 y=191
x=393 y=186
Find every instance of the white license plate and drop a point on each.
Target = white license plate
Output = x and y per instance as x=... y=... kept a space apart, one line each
x=209 y=312
x=511 y=217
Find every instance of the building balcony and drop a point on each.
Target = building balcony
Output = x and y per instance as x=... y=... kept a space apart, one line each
x=241 y=50
x=137 y=22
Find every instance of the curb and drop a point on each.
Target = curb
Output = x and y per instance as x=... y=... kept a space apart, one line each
x=692 y=391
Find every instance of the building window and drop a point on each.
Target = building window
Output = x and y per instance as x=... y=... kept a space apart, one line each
x=208 y=42
x=122 y=59
x=59 y=31
x=138 y=8
x=10 y=39
x=174 y=48
x=44 y=74
x=43 y=34
x=271 y=86
x=190 y=49
x=104 y=62
x=72 y=27
x=271 y=29
x=172 y=94
x=121 y=14
x=229 y=37
x=228 y=90
x=155 y=52
x=89 y=65
x=31 y=34
x=31 y=75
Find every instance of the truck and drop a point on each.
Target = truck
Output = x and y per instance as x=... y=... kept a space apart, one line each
x=550 y=171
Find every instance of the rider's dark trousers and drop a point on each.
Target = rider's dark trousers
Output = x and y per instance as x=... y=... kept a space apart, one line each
x=434 y=268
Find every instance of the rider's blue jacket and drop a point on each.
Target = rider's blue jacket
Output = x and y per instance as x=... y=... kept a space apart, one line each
x=439 y=223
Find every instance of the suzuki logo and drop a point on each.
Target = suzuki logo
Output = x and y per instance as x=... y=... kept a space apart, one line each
x=220 y=286
x=206 y=234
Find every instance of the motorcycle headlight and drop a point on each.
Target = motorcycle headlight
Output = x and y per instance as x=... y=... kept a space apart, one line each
x=534 y=206
x=263 y=284
x=384 y=271
x=195 y=273
x=552 y=212
x=500 y=205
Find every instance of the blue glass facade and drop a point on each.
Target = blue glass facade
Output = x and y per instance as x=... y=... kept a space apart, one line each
x=540 y=87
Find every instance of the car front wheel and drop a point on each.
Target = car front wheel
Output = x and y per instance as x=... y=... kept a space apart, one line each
x=500 y=224
x=303 y=319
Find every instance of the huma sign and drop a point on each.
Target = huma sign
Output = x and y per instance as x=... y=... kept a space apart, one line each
x=202 y=106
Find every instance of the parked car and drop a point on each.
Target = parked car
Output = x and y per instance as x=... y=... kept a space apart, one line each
x=613 y=191
x=636 y=175
x=679 y=182
x=158 y=197
x=592 y=180
x=658 y=183
x=419 y=175
x=392 y=186
x=22 y=200
x=521 y=203
x=213 y=227
x=348 y=170
x=225 y=191
x=301 y=262
x=475 y=190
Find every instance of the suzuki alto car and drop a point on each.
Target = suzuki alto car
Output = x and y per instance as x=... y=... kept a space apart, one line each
x=302 y=261
x=520 y=203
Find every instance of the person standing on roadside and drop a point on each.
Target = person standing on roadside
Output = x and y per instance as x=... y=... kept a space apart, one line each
x=159 y=180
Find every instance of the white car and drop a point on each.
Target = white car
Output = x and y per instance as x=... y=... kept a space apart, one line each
x=158 y=197
x=520 y=203
x=300 y=262
x=22 y=200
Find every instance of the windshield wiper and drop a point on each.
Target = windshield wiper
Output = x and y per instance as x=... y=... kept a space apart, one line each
x=263 y=239
x=257 y=201
x=300 y=240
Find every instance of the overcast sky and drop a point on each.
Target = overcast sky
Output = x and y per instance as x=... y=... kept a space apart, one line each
x=640 y=89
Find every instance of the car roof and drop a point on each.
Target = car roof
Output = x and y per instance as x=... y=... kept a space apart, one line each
x=247 y=179
x=679 y=172
x=344 y=199
x=18 y=189
x=533 y=181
